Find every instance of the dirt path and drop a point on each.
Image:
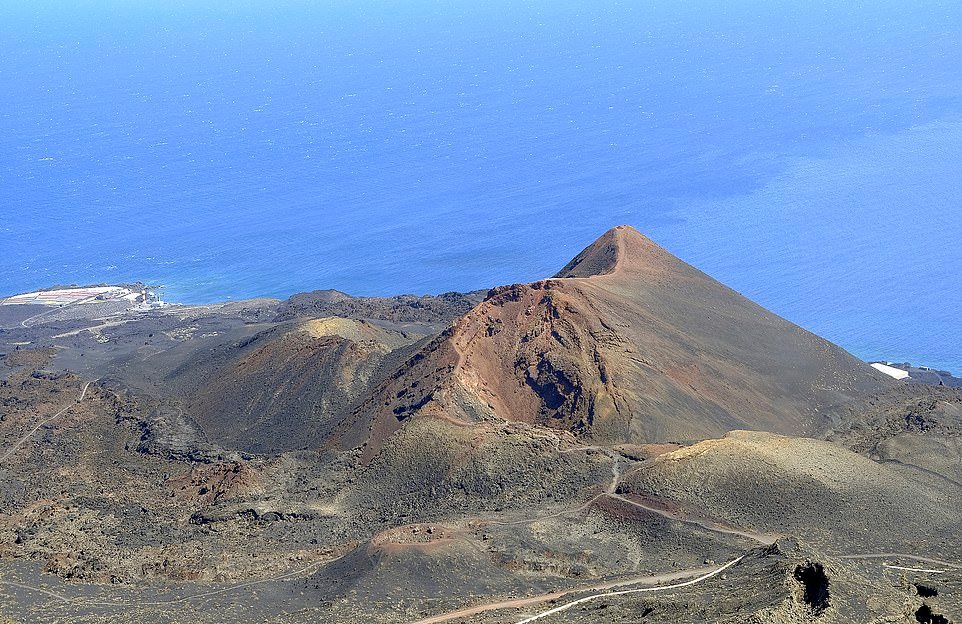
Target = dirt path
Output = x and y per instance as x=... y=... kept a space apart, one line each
x=223 y=590
x=608 y=594
x=518 y=603
x=926 y=570
x=611 y=492
x=599 y=591
x=39 y=590
x=85 y=602
x=762 y=538
x=624 y=592
x=903 y=556
x=30 y=433
x=95 y=329
x=24 y=322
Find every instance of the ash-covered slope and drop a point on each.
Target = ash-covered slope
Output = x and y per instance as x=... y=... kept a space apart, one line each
x=841 y=500
x=280 y=388
x=626 y=344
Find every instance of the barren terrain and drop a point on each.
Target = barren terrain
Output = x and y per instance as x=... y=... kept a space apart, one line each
x=627 y=441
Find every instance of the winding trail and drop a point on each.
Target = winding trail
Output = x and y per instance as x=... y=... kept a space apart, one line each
x=223 y=590
x=624 y=592
x=611 y=492
x=602 y=590
x=762 y=538
x=518 y=603
x=599 y=591
x=85 y=602
x=25 y=322
x=30 y=433
x=95 y=329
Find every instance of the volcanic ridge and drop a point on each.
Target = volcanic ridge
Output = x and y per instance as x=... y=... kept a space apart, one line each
x=626 y=441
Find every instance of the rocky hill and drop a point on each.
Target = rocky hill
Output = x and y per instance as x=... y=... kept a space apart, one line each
x=627 y=441
x=627 y=344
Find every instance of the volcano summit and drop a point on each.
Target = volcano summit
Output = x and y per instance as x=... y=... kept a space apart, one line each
x=627 y=344
x=628 y=440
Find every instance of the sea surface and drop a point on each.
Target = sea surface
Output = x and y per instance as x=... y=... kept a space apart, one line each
x=808 y=154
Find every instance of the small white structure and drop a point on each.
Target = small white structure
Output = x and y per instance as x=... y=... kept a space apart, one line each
x=891 y=371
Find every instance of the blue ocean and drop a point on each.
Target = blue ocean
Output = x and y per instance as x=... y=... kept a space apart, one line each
x=808 y=154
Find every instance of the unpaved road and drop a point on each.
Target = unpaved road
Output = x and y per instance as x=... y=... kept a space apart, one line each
x=533 y=600
x=612 y=489
x=86 y=602
x=39 y=590
x=95 y=329
x=599 y=591
x=25 y=323
x=611 y=492
x=762 y=538
x=938 y=562
x=926 y=570
x=30 y=433
x=624 y=592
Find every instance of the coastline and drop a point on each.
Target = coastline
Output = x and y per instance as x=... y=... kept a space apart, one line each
x=77 y=303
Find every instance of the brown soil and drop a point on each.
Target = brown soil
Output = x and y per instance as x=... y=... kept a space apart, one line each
x=649 y=350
